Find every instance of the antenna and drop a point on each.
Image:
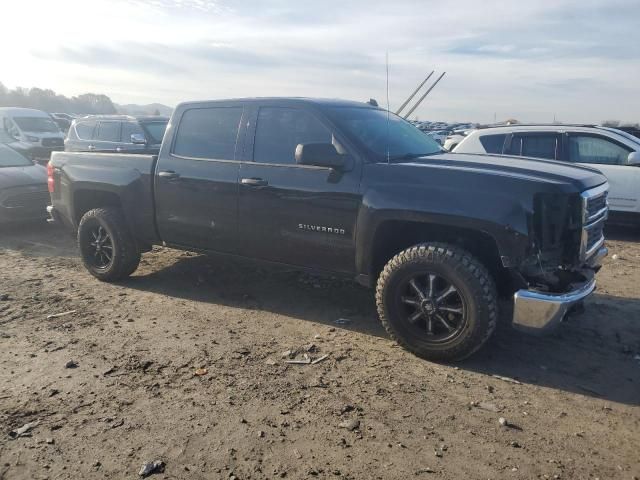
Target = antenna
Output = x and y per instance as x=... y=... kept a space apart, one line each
x=387 y=61
x=424 y=96
x=406 y=102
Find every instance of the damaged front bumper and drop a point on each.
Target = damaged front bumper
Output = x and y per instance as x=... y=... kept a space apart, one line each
x=540 y=312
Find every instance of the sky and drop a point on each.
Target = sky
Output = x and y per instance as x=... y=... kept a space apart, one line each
x=536 y=61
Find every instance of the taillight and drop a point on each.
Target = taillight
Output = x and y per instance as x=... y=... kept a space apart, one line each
x=51 y=183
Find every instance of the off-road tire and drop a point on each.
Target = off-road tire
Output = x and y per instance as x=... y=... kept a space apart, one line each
x=463 y=270
x=126 y=255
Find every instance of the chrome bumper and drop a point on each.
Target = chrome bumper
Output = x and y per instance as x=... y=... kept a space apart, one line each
x=539 y=312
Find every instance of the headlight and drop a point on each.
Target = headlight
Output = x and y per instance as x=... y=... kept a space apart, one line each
x=33 y=139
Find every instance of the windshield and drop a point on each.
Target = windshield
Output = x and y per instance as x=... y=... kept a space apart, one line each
x=10 y=158
x=36 y=124
x=369 y=128
x=155 y=130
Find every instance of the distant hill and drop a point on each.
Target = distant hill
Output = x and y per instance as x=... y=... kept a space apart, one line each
x=151 y=109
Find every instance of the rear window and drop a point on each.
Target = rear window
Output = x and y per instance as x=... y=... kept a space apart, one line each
x=492 y=143
x=208 y=133
x=85 y=129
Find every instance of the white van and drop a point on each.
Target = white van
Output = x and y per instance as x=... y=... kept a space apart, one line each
x=614 y=152
x=32 y=132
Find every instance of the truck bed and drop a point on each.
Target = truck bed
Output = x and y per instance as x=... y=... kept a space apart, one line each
x=82 y=179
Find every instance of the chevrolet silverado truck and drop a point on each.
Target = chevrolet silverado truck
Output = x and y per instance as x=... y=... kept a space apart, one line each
x=348 y=188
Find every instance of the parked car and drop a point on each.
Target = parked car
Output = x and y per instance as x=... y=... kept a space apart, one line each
x=614 y=152
x=116 y=134
x=438 y=135
x=345 y=187
x=23 y=187
x=62 y=120
x=33 y=132
x=452 y=141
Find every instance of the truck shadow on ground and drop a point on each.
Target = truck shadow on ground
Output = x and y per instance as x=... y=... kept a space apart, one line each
x=592 y=355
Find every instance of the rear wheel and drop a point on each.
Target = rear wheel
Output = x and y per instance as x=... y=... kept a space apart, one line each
x=437 y=301
x=109 y=251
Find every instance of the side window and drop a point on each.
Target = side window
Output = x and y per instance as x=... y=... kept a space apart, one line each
x=493 y=143
x=589 y=149
x=280 y=130
x=208 y=133
x=85 y=130
x=536 y=146
x=128 y=129
x=10 y=127
x=108 y=132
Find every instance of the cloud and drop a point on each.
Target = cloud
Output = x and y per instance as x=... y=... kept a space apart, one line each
x=501 y=56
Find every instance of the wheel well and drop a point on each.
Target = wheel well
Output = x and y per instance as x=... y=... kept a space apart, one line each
x=394 y=236
x=85 y=200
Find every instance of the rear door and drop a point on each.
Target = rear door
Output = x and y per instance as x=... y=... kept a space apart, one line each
x=547 y=145
x=610 y=157
x=290 y=213
x=197 y=178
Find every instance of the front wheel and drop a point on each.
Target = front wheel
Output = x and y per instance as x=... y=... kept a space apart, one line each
x=109 y=251
x=437 y=301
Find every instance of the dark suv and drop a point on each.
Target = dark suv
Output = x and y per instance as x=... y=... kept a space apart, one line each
x=116 y=134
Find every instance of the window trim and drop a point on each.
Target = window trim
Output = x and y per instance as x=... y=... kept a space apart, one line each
x=596 y=135
x=239 y=138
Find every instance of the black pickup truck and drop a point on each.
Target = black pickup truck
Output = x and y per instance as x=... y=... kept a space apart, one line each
x=345 y=187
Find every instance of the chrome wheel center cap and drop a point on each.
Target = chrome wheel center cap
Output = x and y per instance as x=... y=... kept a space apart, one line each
x=428 y=307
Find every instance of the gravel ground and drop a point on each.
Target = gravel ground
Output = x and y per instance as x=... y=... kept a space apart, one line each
x=185 y=363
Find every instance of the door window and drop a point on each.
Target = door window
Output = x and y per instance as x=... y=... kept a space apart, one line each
x=536 y=146
x=280 y=130
x=591 y=149
x=493 y=143
x=84 y=130
x=11 y=128
x=128 y=129
x=109 y=132
x=210 y=133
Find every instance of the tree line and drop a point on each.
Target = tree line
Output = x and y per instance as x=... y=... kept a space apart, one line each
x=49 y=101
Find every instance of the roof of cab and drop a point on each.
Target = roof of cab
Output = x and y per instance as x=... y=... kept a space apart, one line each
x=325 y=102
x=23 y=112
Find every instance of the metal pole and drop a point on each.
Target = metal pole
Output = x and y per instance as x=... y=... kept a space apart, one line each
x=414 y=93
x=424 y=96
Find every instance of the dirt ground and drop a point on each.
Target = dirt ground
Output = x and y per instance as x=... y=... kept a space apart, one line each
x=572 y=399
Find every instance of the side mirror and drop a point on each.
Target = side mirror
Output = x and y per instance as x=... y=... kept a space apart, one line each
x=634 y=159
x=138 y=139
x=320 y=155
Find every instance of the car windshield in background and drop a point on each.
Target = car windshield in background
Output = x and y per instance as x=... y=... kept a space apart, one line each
x=383 y=134
x=155 y=130
x=36 y=124
x=10 y=158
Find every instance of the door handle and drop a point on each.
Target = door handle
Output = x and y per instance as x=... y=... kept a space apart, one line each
x=169 y=174
x=91 y=147
x=254 y=182
x=118 y=149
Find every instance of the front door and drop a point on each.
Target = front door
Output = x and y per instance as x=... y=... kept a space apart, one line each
x=610 y=158
x=290 y=213
x=197 y=179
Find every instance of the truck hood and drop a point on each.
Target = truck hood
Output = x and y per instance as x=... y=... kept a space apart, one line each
x=536 y=170
x=23 y=176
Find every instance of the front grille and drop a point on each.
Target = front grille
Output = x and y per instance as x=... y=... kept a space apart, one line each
x=33 y=200
x=595 y=211
x=52 y=142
